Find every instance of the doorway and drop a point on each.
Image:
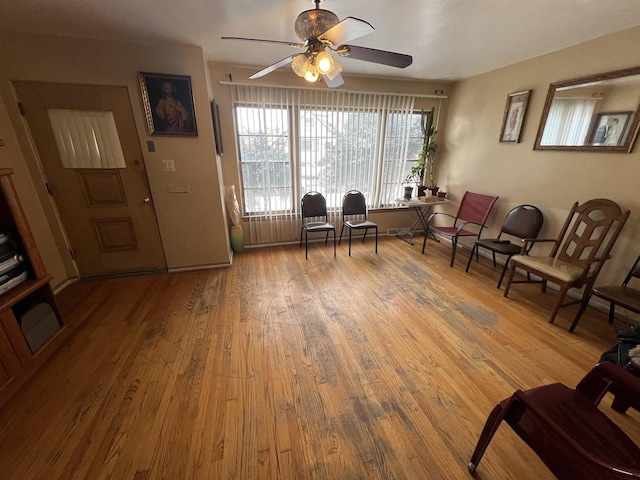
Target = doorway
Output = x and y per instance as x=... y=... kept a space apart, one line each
x=107 y=212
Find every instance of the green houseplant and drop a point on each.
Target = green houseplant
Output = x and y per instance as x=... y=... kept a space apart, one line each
x=427 y=157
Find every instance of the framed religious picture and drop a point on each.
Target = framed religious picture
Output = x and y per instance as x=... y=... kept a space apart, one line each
x=514 y=114
x=610 y=128
x=168 y=104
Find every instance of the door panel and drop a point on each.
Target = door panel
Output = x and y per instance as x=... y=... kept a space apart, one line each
x=106 y=212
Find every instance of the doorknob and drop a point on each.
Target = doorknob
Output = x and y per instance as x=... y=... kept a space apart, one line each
x=147 y=200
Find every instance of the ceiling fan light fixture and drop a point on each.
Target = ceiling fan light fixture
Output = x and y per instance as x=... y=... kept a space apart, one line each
x=300 y=64
x=325 y=62
x=312 y=74
x=335 y=71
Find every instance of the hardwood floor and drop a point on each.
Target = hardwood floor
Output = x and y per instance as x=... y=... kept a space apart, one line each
x=364 y=367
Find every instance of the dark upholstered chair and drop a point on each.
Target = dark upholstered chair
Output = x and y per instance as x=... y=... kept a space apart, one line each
x=523 y=222
x=473 y=212
x=565 y=428
x=354 y=216
x=622 y=295
x=314 y=219
x=578 y=254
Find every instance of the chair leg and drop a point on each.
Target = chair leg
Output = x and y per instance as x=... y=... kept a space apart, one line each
x=301 y=230
x=512 y=271
x=365 y=234
x=504 y=270
x=490 y=427
x=612 y=309
x=454 y=246
x=376 y=240
x=556 y=308
x=306 y=245
x=473 y=250
x=350 y=230
x=326 y=238
x=583 y=307
x=341 y=230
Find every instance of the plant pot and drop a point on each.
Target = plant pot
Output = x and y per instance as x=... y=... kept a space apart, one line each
x=237 y=238
x=408 y=192
x=422 y=191
x=434 y=190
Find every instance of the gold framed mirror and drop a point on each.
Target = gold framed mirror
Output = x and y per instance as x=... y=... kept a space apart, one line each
x=598 y=113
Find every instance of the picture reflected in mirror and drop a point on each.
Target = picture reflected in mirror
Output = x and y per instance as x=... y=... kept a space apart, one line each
x=596 y=113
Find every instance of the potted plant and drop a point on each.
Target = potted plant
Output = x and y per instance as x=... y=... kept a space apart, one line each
x=427 y=157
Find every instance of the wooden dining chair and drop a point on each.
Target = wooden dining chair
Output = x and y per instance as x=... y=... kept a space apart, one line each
x=567 y=430
x=578 y=254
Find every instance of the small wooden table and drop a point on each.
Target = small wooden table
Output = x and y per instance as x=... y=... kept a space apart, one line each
x=423 y=209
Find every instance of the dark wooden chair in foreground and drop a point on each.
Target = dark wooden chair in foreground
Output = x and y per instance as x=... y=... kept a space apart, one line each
x=354 y=216
x=473 y=212
x=523 y=223
x=622 y=295
x=565 y=428
x=578 y=254
x=314 y=219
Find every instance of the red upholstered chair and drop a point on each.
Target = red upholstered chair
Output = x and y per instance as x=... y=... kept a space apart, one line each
x=565 y=428
x=468 y=222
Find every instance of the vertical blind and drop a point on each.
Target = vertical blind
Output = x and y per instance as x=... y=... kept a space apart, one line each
x=568 y=121
x=293 y=141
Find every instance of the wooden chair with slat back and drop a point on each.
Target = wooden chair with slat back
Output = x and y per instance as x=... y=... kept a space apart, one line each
x=473 y=213
x=578 y=254
x=623 y=295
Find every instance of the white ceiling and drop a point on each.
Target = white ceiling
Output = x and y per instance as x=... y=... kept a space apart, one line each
x=448 y=39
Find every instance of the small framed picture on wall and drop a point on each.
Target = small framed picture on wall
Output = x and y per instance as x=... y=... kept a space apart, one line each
x=168 y=104
x=514 y=114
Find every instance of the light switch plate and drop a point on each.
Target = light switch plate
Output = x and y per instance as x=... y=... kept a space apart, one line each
x=168 y=166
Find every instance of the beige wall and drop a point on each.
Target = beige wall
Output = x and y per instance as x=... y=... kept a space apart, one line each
x=219 y=72
x=473 y=159
x=193 y=225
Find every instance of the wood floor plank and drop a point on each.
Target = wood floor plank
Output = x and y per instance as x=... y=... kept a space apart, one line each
x=364 y=367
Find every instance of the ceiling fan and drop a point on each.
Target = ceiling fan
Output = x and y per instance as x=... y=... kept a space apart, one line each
x=320 y=32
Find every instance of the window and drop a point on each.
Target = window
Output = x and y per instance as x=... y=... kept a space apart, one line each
x=263 y=138
x=402 y=148
x=292 y=141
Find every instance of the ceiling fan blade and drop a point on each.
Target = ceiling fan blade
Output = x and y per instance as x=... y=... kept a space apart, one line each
x=348 y=29
x=291 y=44
x=392 y=59
x=275 y=66
x=336 y=82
